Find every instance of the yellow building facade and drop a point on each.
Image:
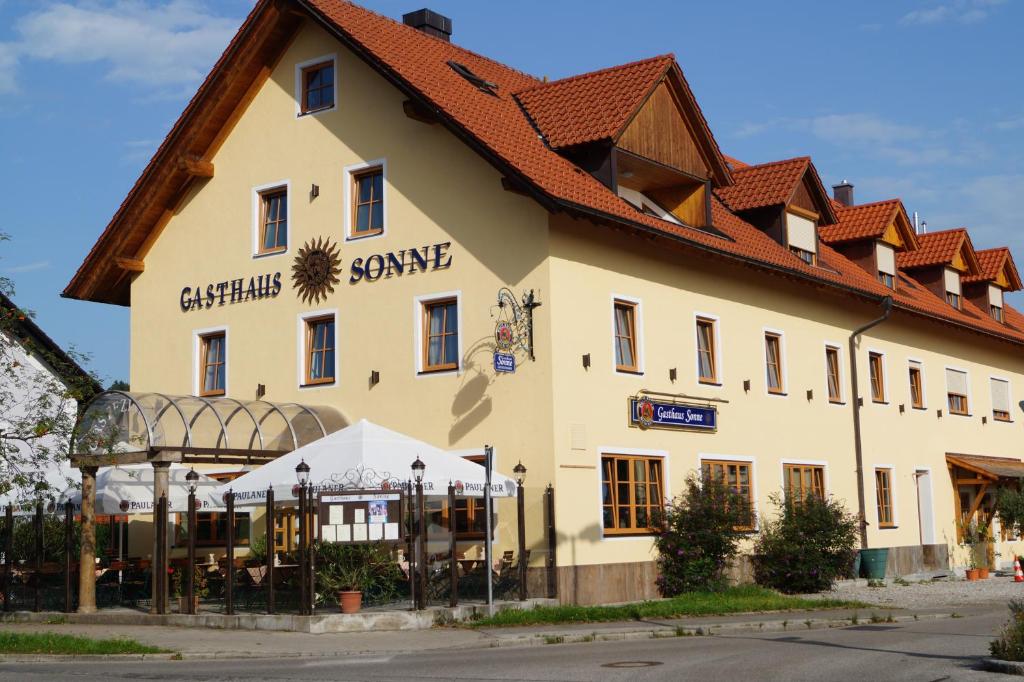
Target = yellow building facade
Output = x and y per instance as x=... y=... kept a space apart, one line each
x=451 y=228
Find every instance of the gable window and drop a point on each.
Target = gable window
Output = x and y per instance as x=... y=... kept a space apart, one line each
x=273 y=220
x=952 y=281
x=368 y=202
x=1000 y=399
x=213 y=364
x=832 y=374
x=916 y=386
x=736 y=477
x=885 y=258
x=956 y=391
x=804 y=480
x=773 y=362
x=707 y=365
x=802 y=231
x=625 y=336
x=320 y=350
x=317 y=87
x=440 y=335
x=877 y=377
x=883 y=497
x=631 y=493
x=995 y=302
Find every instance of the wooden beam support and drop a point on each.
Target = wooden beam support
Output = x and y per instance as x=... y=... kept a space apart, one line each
x=417 y=112
x=195 y=167
x=130 y=264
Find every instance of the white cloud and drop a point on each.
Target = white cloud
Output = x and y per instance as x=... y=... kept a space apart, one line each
x=1010 y=123
x=963 y=11
x=165 y=46
x=28 y=267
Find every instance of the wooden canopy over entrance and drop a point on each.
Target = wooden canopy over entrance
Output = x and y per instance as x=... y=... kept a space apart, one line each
x=975 y=479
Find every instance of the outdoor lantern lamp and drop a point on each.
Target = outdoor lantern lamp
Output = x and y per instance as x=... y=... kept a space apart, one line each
x=192 y=479
x=418 y=467
x=520 y=471
x=302 y=473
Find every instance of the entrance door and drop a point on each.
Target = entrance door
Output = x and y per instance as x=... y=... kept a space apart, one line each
x=925 y=514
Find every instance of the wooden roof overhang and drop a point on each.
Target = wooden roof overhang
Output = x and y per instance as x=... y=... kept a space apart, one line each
x=184 y=156
x=986 y=469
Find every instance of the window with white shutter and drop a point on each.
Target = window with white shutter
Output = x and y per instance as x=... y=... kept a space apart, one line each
x=1000 y=399
x=956 y=391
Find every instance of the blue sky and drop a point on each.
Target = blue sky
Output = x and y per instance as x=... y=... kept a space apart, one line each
x=922 y=99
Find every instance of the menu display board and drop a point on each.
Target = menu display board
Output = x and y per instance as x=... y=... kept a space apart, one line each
x=361 y=516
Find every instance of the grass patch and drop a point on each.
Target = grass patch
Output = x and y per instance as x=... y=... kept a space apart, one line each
x=71 y=645
x=742 y=599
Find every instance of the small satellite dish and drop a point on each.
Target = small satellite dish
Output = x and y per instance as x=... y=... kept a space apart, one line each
x=1021 y=403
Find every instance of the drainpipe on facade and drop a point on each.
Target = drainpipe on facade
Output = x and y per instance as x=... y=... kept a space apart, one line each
x=857 y=446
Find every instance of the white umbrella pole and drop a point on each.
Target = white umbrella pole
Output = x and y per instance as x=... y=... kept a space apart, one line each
x=489 y=549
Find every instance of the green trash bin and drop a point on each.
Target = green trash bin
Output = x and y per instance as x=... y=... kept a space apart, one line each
x=872 y=562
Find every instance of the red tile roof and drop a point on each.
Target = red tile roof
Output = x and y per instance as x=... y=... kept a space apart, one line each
x=937 y=248
x=990 y=263
x=864 y=221
x=495 y=126
x=593 y=106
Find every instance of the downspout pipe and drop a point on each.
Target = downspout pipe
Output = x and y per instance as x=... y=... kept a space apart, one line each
x=858 y=446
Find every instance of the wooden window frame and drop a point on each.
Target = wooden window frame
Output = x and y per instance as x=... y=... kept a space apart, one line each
x=887 y=280
x=776 y=339
x=654 y=503
x=724 y=465
x=997 y=313
x=309 y=324
x=712 y=325
x=304 y=72
x=833 y=351
x=425 y=307
x=204 y=342
x=817 y=472
x=953 y=299
x=876 y=372
x=474 y=506
x=213 y=520
x=808 y=257
x=265 y=195
x=1000 y=415
x=633 y=308
x=916 y=387
x=883 y=498
x=355 y=177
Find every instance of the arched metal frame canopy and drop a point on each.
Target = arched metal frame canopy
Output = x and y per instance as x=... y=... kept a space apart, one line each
x=123 y=427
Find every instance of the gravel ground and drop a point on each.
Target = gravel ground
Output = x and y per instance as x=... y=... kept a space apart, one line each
x=930 y=593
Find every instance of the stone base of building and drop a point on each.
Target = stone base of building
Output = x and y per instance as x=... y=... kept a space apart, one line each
x=607 y=583
x=911 y=559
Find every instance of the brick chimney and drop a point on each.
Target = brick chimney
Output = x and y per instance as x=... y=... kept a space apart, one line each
x=430 y=22
x=843 y=192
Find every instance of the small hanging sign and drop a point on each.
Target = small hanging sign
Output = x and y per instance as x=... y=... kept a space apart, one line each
x=504 y=362
x=647 y=413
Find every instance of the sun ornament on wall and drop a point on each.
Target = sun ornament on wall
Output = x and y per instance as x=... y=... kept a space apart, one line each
x=316 y=269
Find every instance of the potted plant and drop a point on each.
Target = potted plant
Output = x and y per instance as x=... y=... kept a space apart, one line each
x=200 y=590
x=349 y=587
x=975 y=538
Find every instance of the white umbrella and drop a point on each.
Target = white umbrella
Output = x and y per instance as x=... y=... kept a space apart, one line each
x=367 y=456
x=129 y=490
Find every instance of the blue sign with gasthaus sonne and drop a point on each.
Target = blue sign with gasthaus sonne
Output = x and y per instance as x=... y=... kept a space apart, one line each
x=647 y=413
x=504 y=362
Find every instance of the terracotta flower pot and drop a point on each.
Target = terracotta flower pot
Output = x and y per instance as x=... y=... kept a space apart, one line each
x=983 y=573
x=972 y=573
x=350 y=602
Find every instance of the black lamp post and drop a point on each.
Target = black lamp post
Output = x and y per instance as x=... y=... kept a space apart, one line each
x=520 y=473
x=302 y=475
x=192 y=480
x=418 y=467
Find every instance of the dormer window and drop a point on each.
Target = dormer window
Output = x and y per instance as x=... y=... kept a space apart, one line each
x=885 y=261
x=645 y=204
x=802 y=234
x=952 y=280
x=995 y=302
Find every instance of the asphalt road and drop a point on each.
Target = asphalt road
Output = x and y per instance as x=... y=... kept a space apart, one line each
x=936 y=650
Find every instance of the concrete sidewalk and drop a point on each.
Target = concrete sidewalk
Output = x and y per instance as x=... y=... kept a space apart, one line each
x=195 y=643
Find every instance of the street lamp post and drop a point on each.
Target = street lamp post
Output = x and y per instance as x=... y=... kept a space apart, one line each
x=302 y=474
x=192 y=480
x=520 y=473
x=418 y=467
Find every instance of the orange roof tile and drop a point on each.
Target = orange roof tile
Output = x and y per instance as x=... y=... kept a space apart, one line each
x=993 y=261
x=937 y=248
x=767 y=184
x=592 y=106
x=864 y=221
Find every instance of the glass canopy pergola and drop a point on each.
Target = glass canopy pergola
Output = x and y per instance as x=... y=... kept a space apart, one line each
x=121 y=427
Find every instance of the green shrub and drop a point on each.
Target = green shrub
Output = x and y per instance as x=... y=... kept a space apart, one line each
x=1009 y=646
x=807 y=547
x=698 y=535
x=53 y=539
x=1010 y=508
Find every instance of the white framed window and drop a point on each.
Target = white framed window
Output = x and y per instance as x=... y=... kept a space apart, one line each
x=802 y=234
x=958 y=391
x=316 y=86
x=916 y=384
x=366 y=200
x=1001 y=399
x=317 y=353
x=834 y=374
x=708 y=339
x=885 y=259
x=271 y=219
x=877 y=377
x=739 y=474
x=631 y=485
x=627 y=335
x=437 y=320
x=774 y=358
x=210 y=368
x=951 y=279
x=995 y=302
x=886 y=508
